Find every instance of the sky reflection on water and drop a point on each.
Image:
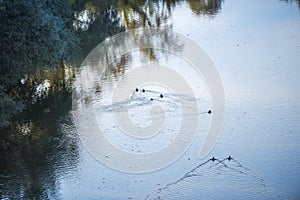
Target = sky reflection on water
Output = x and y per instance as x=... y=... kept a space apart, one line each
x=255 y=46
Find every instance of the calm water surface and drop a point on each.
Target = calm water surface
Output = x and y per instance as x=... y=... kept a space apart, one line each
x=255 y=46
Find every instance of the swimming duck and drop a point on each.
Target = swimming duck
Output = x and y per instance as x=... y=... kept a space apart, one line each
x=161 y=96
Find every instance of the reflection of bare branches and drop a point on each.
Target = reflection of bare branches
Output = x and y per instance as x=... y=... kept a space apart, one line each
x=115 y=55
x=205 y=7
x=218 y=179
x=145 y=13
x=156 y=13
x=150 y=42
x=99 y=19
x=140 y=13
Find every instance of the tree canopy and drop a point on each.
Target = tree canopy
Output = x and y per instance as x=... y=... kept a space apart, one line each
x=33 y=34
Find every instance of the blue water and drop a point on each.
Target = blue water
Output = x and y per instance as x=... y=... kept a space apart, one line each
x=255 y=48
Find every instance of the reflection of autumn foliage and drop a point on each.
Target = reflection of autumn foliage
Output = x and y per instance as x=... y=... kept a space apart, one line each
x=156 y=13
x=140 y=13
x=136 y=13
x=210 y=7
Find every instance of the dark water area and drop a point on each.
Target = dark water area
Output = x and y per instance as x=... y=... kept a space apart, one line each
x=255 y=47
x=41 y=147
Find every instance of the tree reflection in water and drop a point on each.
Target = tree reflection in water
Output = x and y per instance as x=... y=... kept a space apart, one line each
x=204 y=7
x=40 y=148
x=100 y=67
x=42 y=145
x=97 y=19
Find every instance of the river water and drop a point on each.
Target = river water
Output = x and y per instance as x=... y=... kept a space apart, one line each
x=254 y=46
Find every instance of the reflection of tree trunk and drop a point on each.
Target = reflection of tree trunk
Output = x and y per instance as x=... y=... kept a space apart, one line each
x=62 y=76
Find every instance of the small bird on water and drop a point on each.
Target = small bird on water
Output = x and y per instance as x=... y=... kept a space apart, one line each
x=136 y=89
x=161 y=96
x=209 y=112
x=143 y=90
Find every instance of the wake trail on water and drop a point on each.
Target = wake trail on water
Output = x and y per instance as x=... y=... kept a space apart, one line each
x=216 y=179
